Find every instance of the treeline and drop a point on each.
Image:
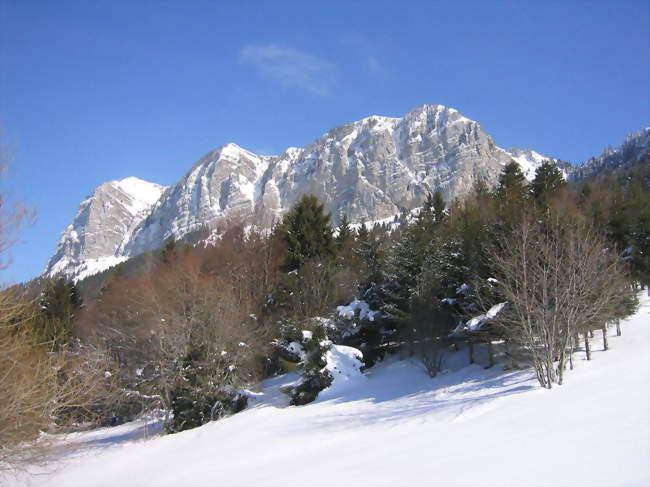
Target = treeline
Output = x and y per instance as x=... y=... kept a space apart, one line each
x=534 y=266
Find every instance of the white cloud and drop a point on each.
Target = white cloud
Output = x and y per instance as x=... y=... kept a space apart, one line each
x=291 y=67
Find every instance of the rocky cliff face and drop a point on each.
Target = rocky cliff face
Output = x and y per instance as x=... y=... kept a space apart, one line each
x=103 y=222
x=369 y=169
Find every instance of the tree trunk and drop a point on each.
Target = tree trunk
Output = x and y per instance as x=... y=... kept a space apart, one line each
x=618 y=328
x=471 y=352
x=605 y=344
x=490 y=354
x=550 y=376
x=574 y=346
x=587 y=349
x=591 y=333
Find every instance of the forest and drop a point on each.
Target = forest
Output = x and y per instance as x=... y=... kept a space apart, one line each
x=527 y=271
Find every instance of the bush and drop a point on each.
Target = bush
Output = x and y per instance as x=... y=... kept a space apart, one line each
x=315 y=376
x=195 y=407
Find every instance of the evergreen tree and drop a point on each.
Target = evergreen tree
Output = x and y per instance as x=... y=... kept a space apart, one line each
x=438 y=207
x=307 y=233
x=370 y=255
x=547 y=182
x=433 y=211
x=344 y=244
x=404 y=266
x=512 y=188
x=344 y=232
x=628 y=226
x=511 y=197
x=59 y=306
x=315 y=377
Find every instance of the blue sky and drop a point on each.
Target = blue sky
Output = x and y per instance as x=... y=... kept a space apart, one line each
x=92 y=91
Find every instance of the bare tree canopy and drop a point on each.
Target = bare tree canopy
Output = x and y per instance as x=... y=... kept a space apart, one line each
x=559 y=279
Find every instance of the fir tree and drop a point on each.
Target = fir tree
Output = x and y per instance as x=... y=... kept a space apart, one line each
x=344 y=232
x=370 y=255
x=344 y=243
x=512 y=185
x=547 y=182
x=438 y=207
x=59 y=306
x=404 y=266
x=307 y=233
x=433 y=211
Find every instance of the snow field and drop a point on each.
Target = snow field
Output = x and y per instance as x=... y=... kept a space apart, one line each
x=395 y=426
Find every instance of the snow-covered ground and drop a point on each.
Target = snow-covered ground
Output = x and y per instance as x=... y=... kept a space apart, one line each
x=396 y=426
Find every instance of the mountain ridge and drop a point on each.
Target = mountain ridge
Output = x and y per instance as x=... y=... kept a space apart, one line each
x=369 y=169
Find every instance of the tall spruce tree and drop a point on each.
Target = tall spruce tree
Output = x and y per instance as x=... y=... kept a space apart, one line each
x=433 y=210
x=344 y=234
x=438 y=207
x=512 y=186
x=547 y=182
x=370 y=255
x=404 y=265
x=59 y=306
x=307 y=233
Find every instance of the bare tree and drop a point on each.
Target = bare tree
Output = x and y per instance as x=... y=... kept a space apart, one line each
x=179 y=331
x=41 y=390
x=559 y=280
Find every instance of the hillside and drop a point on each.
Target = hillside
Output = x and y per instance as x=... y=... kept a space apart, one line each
x=396 y=426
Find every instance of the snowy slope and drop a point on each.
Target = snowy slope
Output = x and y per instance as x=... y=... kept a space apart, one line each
x=398 y=427
x=529 y=161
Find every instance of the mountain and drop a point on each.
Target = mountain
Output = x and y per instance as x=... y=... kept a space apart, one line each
x=370 y=170
x=104 y=220
x=634 y=148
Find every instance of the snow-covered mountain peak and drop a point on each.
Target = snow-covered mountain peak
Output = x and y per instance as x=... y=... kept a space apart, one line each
x=142 y=193
x=436 y=115
x=376 y=122
x=102 y=223
x=233 y=151
x=369 y=170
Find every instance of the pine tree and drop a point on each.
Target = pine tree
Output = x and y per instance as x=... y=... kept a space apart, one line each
x=344 y=232
x=512 y=186
x=370 y=256
x=547 y=182
x=59 y=306
x=307 y=233
x=315 y=377
x=433 y=210
x=404 y=266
